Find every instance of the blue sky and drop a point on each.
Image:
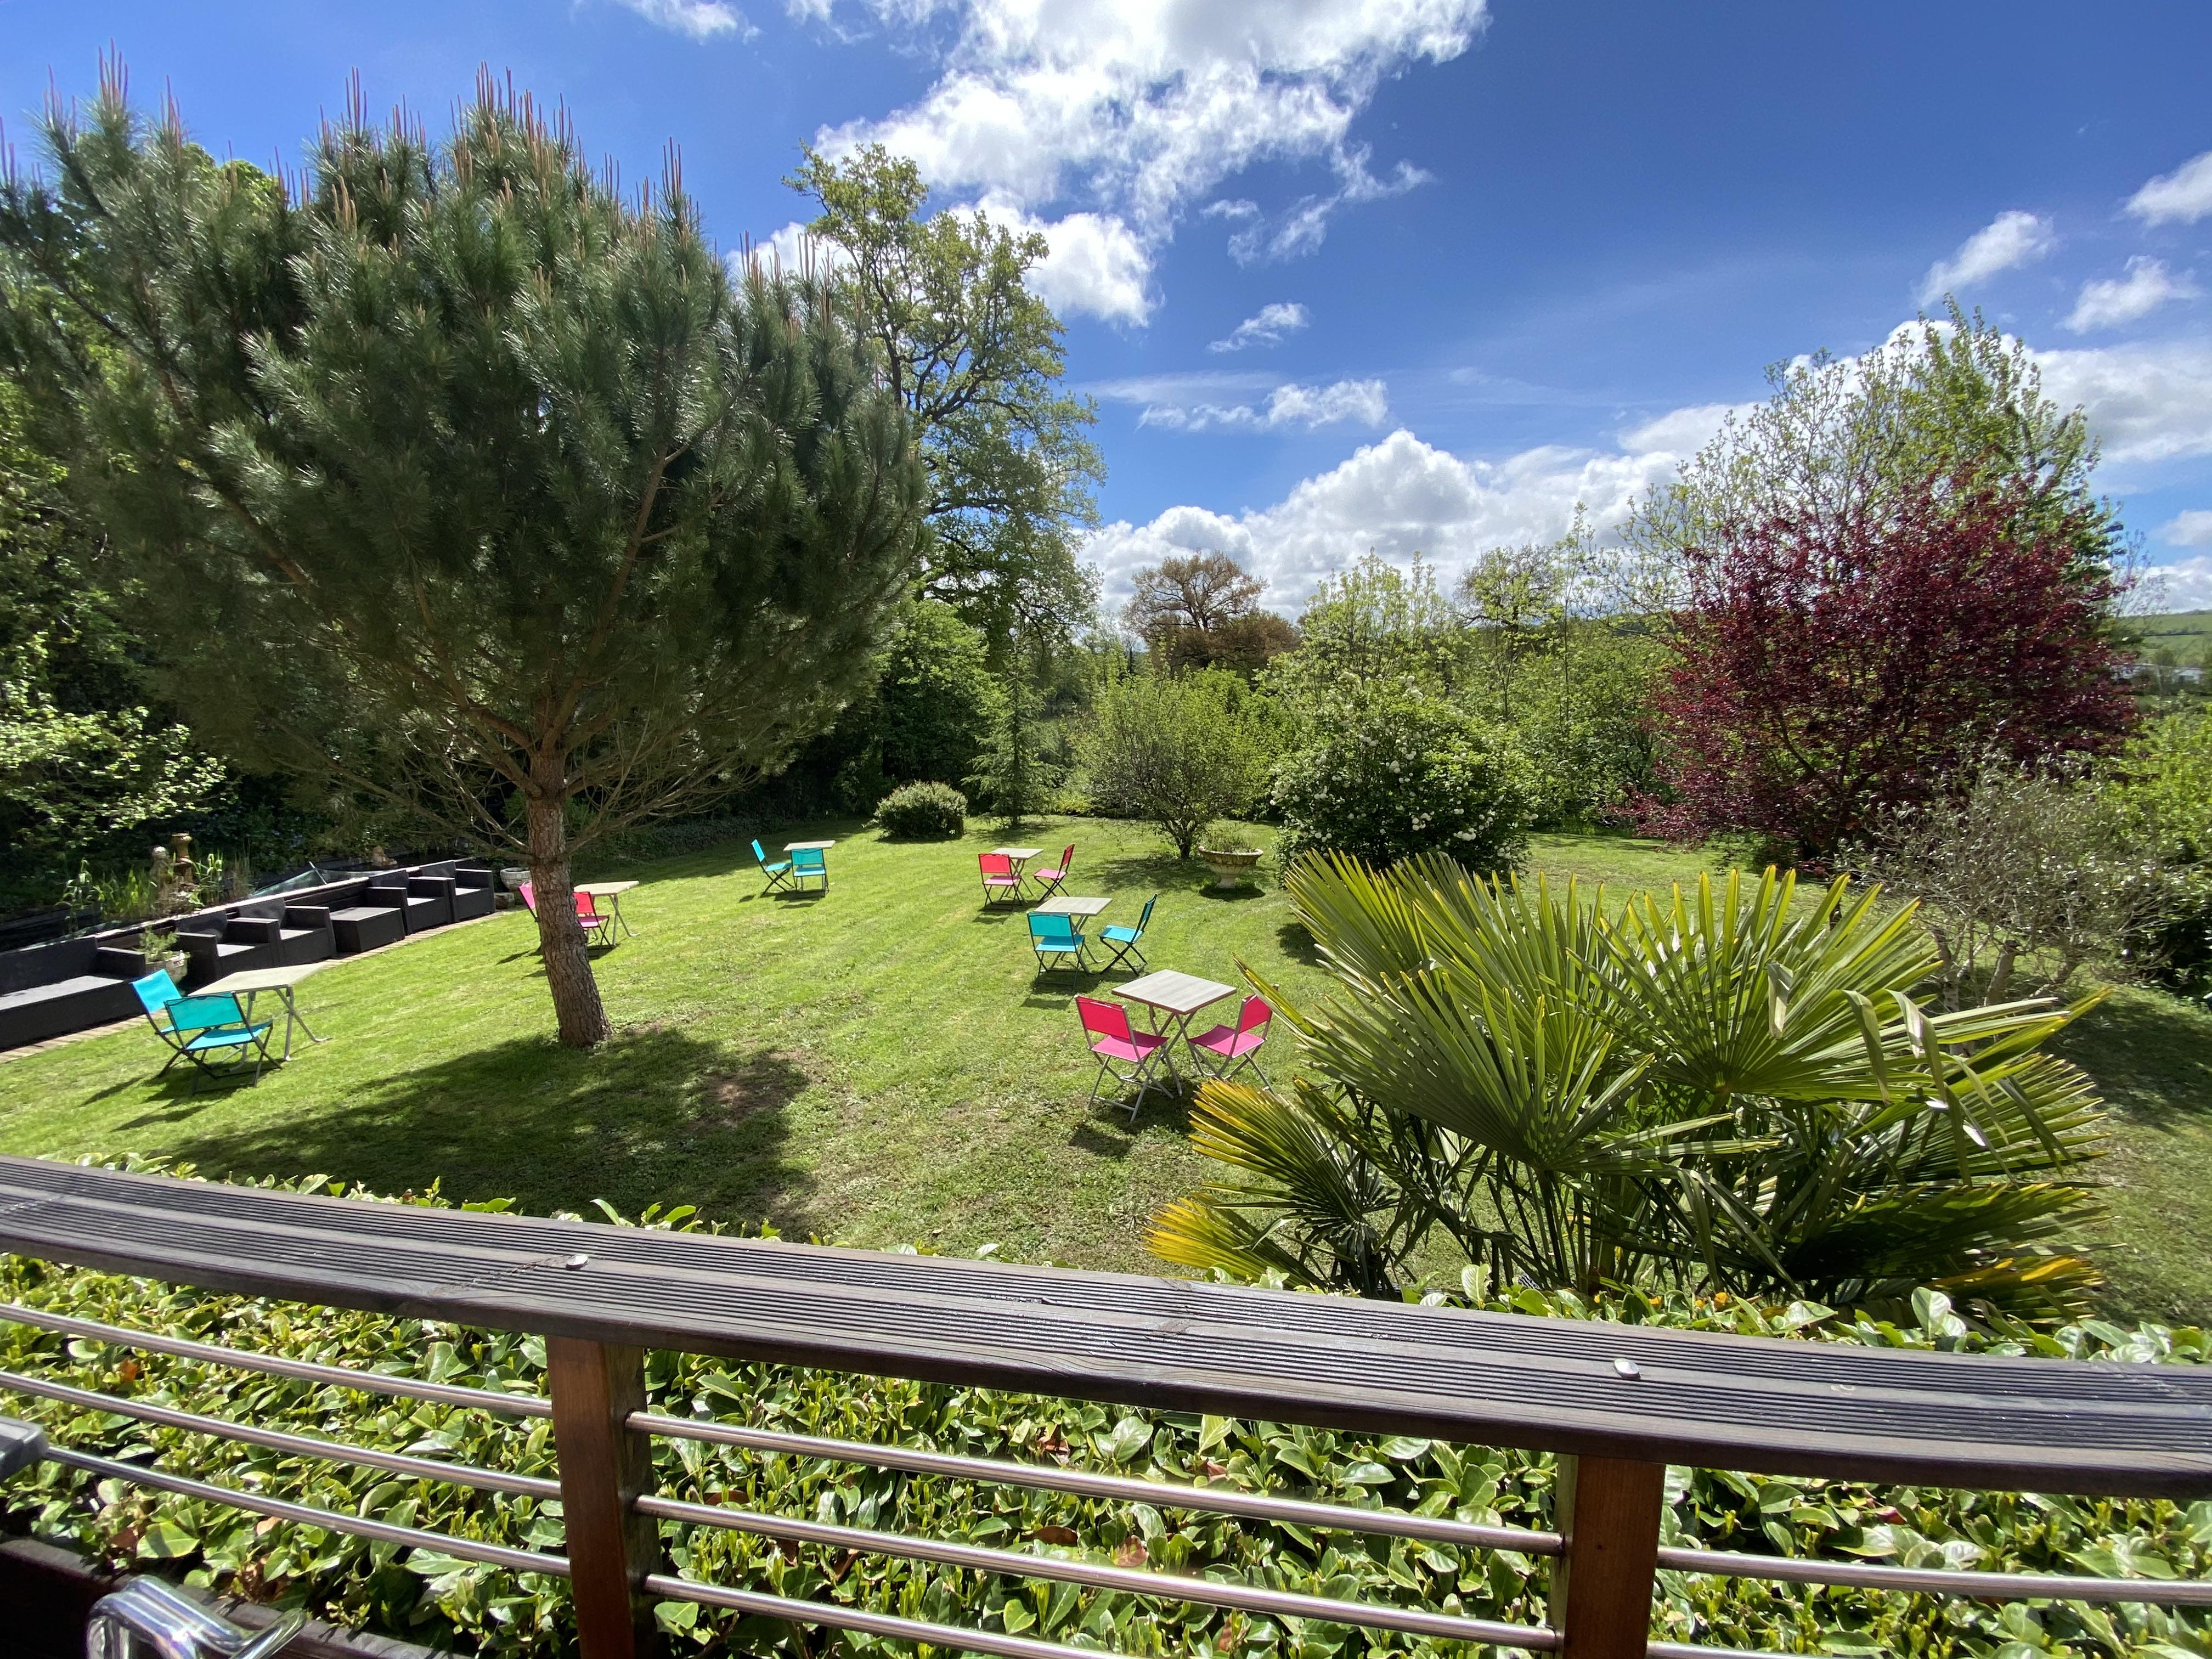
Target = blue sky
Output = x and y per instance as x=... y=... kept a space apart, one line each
x=1406 y=275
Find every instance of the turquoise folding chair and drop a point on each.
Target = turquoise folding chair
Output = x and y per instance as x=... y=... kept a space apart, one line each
x=199 y=1028
x=777 y=873
x=1124 y=939
x=809 y=864
x=1055 y=938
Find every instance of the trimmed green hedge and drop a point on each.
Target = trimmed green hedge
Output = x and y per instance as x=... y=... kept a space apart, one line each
x=438 y=1599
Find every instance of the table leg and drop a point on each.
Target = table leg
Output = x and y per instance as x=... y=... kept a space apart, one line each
x=294 y=1017
x=619 y=921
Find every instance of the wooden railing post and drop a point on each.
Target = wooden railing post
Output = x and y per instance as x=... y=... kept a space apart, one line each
x=1607 y=1511
x=605 y=1465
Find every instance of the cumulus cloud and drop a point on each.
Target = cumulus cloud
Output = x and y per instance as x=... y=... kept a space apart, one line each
x=2012 y=237
x=2190 y=529
x=1366 y=402
x=2186 y=584
x=1396 y=497
x=2181 y=197
x=1681 y=432
x=702 y=20
x=1265 y=326
x=1097 y=266
x=2146 y=403
x=2110 y=301
x=1135 y=112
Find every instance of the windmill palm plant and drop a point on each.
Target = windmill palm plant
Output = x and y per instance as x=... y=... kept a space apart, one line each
x=1731 y=1089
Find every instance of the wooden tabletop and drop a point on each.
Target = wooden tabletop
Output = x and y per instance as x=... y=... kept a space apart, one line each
x=1065 y=906
x=1176 y=994
x=1015 y=852
x=605 y=889
x=808 y=846
x=260 y=979
x=1832 y=1411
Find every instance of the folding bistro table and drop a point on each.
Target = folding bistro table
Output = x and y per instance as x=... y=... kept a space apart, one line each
x=252 y=981
x=1077 y=910
x=1019 y=855
x=1171 y=999
x=611 y=892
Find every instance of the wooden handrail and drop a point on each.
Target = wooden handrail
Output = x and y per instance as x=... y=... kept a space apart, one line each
x=1622 y=1401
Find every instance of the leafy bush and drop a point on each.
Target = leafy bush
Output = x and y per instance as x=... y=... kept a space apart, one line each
x=1388 y=770
x=439 y=1600
x=923 y=809
x=2025 y=874
x=1176 y=752
x=1732 y=1089
x=2163 y=801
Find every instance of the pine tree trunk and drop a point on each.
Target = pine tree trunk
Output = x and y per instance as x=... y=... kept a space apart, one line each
x=576 y=1005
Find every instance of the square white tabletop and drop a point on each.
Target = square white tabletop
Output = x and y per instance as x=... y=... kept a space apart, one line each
x=1070 y=906
x=1024 y=853
x=605 y=889
x=808 y=846
x=260 y=979
x=1174 y=992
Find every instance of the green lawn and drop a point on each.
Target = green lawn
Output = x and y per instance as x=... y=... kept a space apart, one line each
x=879 y=1067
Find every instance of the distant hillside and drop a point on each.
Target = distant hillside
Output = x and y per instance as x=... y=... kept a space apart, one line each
x=2187 y=634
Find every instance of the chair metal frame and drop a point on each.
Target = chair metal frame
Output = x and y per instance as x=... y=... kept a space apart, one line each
x=1011 y=878
x=778 y=873
x=1151 y=1059
x=1046 y=932
x=191 y=1037
x=806 y=863
x=1125 y=948
x=1222 y=1066
x=1051 y=881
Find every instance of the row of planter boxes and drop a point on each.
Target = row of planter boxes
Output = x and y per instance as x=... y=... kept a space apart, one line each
x=74 y=984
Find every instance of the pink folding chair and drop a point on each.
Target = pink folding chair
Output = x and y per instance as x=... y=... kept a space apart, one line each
x=1050 y=879
x=1226 y=1049
x=1113 y=1038
x=599 y=925
x=999 y=880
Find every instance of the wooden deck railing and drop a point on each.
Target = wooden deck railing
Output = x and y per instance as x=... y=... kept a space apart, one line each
x=1619 y=1403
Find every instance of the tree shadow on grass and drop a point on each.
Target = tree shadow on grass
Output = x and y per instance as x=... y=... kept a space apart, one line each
x=653 y=1116
x=2151 y=1055
x=1298 y=944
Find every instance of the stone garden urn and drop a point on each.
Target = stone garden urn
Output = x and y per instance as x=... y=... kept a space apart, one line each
x=1232 y=866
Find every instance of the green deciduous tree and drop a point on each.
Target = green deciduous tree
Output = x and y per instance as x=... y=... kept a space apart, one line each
x=1176 y=752
x=1202 y=610
x=455 y=476
x=976 y=358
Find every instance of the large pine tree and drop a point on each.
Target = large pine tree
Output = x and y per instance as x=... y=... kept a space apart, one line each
x=457 y=477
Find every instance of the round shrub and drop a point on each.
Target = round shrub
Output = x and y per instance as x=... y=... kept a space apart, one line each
x=1387 y=771
x=923 y=809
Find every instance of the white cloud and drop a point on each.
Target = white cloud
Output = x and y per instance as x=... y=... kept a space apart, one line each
x=1137 y=111
x=702 y=20
x=1265 y=326
x=2182 y=196
x=1095 y=266
x=2190 y=529
x=1366 y=402
x=1683 y=432
x=2146 y=403
x=2109 y=301
x=1395 y=498
x=793 y=250
x=2186 y=584
x=2012 y=237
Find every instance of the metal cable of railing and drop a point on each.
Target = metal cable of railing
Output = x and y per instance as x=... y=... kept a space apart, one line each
x=359 y=1526
x=1168 y=1586
x=957 y=1637
x=1336 y=1518
x=1937 y=1580
x=340 y=1377
x=427 y=1468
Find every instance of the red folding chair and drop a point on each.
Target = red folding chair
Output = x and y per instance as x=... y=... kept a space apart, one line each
x=999 y=881
x=1227 y=1049
x=1050 y=880
x=598 y=925
x=1113 y=1038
